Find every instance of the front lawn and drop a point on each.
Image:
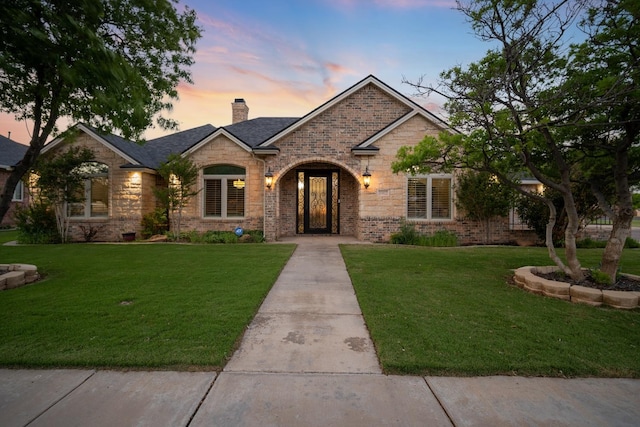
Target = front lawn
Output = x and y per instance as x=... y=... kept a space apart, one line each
x=450 y=311
x=161 y=306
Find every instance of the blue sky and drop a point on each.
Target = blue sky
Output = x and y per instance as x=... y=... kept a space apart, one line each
x=287 y=57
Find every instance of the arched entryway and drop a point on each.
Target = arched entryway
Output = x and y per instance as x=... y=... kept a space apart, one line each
x=317 y=198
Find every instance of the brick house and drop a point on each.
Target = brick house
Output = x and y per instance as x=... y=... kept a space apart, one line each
x=325 y=173
x=11 y=153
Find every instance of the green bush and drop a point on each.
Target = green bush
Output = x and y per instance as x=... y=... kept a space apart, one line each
x=37 y=224
x=155 y=222
x=409 y=236
x=589 y=243
x=440 y=238
x=631 y=243
x=406 y=236
x=211 y=236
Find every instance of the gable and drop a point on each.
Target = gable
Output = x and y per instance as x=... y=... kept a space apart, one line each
x=367 y=109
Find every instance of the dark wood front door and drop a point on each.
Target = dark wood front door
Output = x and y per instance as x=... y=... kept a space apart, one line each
x=318 y=202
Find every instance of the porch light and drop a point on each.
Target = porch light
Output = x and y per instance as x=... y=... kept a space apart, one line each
x=239 y=183
x=366 y=177
x=268 y=179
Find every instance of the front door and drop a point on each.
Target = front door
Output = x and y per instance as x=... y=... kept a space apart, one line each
x=318 y=190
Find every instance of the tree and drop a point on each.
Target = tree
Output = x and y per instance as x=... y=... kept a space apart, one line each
x=607 y=65
x=113 y=64
x=60 y=181
x=181 y=175
x=522 y=108
x=482 y=197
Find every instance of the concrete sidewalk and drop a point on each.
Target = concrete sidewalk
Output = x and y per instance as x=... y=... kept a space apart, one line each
x=307 y=360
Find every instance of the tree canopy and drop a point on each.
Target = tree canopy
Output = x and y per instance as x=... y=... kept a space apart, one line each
x=113 y=64
x=537 y=104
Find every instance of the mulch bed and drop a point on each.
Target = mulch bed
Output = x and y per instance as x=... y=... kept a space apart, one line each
x=622 y=284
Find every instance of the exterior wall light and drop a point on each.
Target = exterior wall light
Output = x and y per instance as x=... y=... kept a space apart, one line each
x=366 y=177
x=268 y=179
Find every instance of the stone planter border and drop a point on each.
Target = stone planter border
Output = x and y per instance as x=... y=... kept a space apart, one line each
x=526 y=278
x=17 y=275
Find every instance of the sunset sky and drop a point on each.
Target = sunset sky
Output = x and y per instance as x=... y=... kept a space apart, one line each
x=285 y=58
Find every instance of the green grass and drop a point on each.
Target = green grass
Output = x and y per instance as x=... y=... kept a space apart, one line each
x=134 y=306
x=8 y=236
x=450 y=311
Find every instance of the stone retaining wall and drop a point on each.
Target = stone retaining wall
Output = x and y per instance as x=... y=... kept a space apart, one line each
x=17 y=275
x=526 y=278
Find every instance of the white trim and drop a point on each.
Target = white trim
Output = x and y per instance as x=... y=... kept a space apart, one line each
x=95 y=136
x=218 y=132
x=20 y=185
x=223 y=195
x=429 y=197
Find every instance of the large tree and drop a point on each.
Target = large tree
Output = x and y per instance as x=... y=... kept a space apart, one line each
x=532 y=103
x=114 y=64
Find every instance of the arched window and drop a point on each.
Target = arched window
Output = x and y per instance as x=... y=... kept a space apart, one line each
x=95 y=194
x=224 y=191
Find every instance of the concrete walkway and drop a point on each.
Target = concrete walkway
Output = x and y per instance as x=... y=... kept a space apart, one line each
x=307 y=360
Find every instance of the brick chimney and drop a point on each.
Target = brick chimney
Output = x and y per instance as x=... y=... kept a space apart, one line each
x=240 y=111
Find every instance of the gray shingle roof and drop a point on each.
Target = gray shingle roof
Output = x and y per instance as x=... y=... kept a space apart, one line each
x=155 y=151
x=255 y=131
x=11 y=152
x=160 y=148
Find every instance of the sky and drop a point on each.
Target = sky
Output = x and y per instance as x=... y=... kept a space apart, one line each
x=285 y=58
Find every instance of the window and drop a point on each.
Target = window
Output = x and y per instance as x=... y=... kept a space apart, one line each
x=429 y=197
x=18 y=193
x=224 y=191
x=95 y=194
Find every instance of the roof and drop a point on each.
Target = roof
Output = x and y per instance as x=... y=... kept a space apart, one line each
x=255 y=131
x=255 y=135
x=11 y=152
x=159 y=149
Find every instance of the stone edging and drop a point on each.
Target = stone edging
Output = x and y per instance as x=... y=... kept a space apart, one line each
x=526 y=279
x=17 y=275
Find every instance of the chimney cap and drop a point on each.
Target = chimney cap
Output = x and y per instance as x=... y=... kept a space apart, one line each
x=239 y=100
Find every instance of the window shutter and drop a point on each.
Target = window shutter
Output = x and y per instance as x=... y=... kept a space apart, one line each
x=441 y=198
x=213 y=197
x=417 y=198
x=235 y=200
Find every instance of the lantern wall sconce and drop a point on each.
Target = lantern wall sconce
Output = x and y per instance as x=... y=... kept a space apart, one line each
x=268 y=179
x=366 y=178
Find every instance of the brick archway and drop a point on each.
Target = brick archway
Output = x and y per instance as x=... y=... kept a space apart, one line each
x=288 y=200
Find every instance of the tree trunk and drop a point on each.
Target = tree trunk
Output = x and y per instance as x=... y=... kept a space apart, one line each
x=549 y=238
x=573 y=225
x=613 y=251
x=623 y=215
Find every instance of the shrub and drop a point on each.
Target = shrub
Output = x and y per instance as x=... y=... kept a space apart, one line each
x=589 y=243
x=37 y=224
x=155 y=222
x=440 y=238
x=409 y=236
x=631 y=243
x=406 y=236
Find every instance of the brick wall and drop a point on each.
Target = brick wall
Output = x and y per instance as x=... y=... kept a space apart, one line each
x=326 y=142
x=221 y=150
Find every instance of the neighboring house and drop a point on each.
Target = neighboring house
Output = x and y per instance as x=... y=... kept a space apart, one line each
x=328 y=172
x=11 y=153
